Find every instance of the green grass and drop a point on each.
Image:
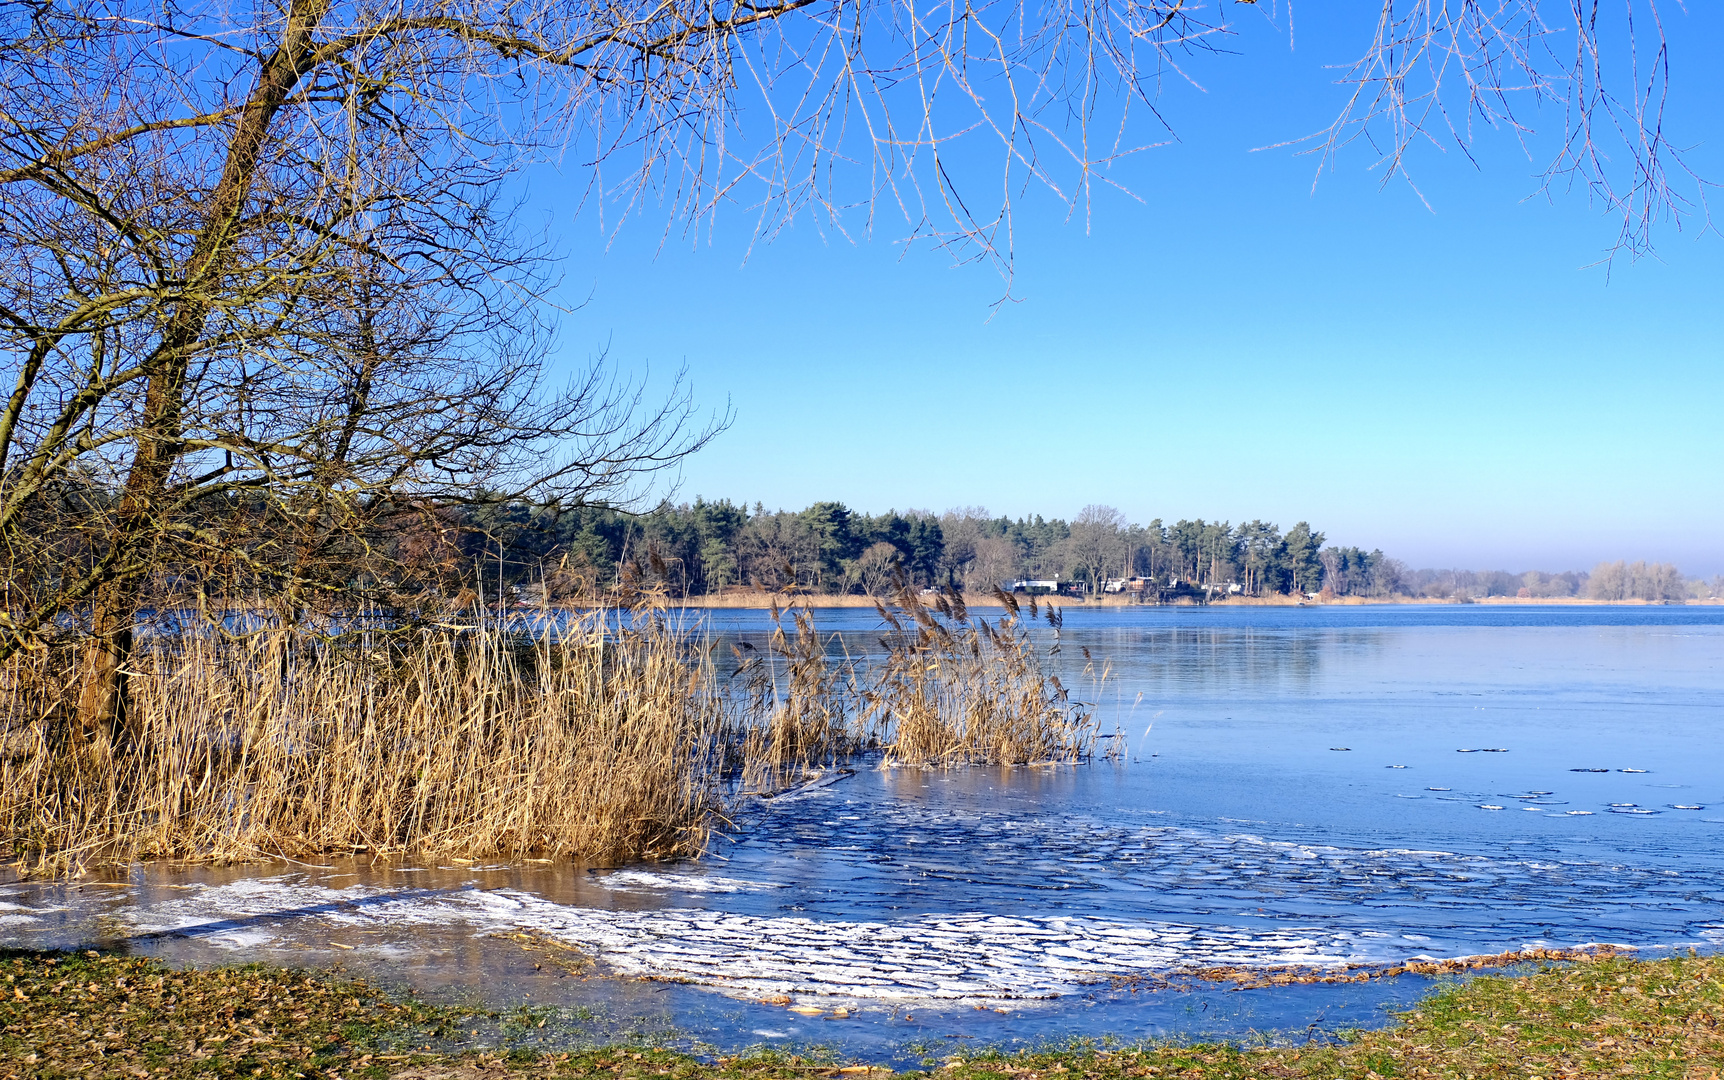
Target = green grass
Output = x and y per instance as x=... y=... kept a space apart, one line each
x=89 y=1015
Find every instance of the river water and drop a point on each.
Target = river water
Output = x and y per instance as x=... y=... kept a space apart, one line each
x=1296 y=786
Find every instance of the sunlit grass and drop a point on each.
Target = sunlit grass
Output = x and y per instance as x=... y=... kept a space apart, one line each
x=65 y=1015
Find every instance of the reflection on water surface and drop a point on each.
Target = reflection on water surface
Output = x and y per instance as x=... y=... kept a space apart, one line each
x=1299 y=786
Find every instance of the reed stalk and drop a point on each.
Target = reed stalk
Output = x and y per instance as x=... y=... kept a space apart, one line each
x=586 y=744
x=967 y=691
x=600 y=737
x=799 y=704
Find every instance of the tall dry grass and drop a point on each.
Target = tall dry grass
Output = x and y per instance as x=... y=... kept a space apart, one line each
x=612 y=737
x=585 y=744
x=961 y=690
x=798 y=705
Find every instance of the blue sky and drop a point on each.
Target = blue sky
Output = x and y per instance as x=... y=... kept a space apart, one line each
x=1454 y=385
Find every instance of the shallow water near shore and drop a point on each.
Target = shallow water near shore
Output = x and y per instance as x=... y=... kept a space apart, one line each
x=1295 y=786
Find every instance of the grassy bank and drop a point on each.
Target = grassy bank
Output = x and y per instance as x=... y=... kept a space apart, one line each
x=66 y=1015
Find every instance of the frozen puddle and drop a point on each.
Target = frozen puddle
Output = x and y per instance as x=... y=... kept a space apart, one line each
x=930 y=957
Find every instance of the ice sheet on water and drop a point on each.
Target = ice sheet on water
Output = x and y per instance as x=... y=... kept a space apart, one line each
x=687 y=883
x=927 y=891
x=1040 y=949
x=962 y=956
x=968 y=955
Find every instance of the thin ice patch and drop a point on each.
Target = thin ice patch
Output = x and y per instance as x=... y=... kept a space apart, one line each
x=684 y=883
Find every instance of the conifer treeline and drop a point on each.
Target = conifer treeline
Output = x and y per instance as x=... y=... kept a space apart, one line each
x=827 y=548
x=710 y=546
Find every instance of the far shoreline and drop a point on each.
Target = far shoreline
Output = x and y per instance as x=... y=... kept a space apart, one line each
x=765 y=600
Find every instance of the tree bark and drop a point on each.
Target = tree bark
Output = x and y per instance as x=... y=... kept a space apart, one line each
x=102 y=690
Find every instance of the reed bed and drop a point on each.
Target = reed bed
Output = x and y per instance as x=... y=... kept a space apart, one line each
x=799 y=705
x=587 y=744
x=960 y=690
x=613 y=736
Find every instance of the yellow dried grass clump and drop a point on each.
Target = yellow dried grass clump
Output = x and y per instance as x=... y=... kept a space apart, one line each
x=800 y=706
x=584 y=744
x=612 y=736
x=963 y=691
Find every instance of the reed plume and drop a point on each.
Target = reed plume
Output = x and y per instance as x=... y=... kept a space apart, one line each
x=968 y=692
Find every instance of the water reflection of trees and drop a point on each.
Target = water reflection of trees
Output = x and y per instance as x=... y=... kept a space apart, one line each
x=1227 y=661
x=1198 y=661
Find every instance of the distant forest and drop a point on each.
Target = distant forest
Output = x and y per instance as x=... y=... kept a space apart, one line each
x=827 y=549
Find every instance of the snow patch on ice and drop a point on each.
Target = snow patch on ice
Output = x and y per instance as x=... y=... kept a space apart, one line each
x=935 y=956
x=684 y=883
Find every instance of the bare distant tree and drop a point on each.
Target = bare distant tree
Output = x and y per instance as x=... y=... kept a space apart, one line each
x=777 y=551
x=1653 y=582
x=876 y=567
x=1334 y=577
x=960 y=529
x=997 y=559
x=1096 y=545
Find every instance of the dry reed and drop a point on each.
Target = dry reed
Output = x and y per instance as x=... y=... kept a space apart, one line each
x=798 y=704
x=590 y=744
x=963 y=691
x=609 y=737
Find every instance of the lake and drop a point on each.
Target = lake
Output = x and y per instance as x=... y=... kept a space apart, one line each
x=1295 y=786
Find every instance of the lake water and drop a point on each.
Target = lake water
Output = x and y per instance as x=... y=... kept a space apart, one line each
x=1298 y=786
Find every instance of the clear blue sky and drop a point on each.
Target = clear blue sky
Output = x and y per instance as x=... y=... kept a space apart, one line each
x=1454 y=385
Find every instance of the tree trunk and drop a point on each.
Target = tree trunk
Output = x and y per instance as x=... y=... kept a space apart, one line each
x=102 y=684
x=102 y=700
x=114 y=608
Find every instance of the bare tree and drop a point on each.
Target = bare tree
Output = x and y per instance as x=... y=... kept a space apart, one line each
x=1445 y=74
x=1334 y=577
x=996 y=559
x=254 y=269
x=776 y=551
x=1653 y=582
x=877 y=567
x=1095 y=544
x=255 y=304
